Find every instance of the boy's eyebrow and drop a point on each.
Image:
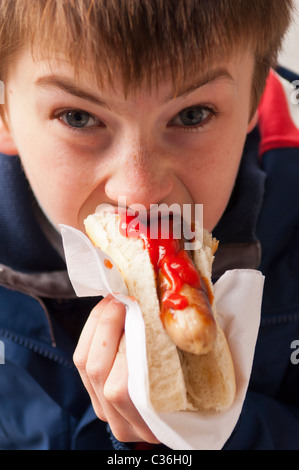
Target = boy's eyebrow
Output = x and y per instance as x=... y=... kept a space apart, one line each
x=68 y=86
x=205 y=78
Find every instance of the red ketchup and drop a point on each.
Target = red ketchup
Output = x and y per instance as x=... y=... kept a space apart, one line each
x=166 y=255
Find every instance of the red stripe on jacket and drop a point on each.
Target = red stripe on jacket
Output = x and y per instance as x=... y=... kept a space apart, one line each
x=277 y=126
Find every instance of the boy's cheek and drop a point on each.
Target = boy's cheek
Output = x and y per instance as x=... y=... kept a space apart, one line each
x=56 y=187
x=61 y=180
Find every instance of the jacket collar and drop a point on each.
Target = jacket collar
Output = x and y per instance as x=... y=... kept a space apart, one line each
x=239 y=246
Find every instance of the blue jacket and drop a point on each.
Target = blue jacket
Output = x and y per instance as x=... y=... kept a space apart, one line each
x=43 y=404
x=270 y=416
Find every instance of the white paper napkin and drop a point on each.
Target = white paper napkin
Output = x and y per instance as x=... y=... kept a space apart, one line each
x=238 y=296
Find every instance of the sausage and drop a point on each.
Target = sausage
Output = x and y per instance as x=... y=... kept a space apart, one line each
x=192 y=326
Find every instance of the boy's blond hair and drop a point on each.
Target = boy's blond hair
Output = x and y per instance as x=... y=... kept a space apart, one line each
x=139 y=41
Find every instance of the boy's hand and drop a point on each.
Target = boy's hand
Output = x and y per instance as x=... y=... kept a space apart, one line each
x=100 y=358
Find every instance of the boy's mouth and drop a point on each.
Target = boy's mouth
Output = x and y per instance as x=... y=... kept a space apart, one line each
x=161 y=218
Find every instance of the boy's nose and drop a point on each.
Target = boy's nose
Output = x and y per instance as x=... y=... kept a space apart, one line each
x=140 y=174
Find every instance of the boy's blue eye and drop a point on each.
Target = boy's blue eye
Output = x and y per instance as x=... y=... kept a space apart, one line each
x=193 y=116
x=79 y=119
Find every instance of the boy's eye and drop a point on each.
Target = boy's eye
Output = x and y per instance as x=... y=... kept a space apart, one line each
x=194 y=116
x=79 y=119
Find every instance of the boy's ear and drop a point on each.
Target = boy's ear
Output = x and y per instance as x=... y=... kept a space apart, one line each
x=7 y=144
x=253 y=122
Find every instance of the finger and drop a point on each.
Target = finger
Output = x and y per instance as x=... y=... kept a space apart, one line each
x=80 y=355
x=124 y=419
x=92 y=366
x=82 y=349
x=101 y=356
x=105 y=342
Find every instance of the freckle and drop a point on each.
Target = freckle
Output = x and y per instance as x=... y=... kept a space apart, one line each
x=104 y=343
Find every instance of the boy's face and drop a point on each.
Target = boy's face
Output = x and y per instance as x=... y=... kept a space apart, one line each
x=82 y=146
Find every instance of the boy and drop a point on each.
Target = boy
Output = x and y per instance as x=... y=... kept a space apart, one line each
x=152 y=100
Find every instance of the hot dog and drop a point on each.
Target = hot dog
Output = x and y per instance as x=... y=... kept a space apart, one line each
x=185 y=306
x=189 y=362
